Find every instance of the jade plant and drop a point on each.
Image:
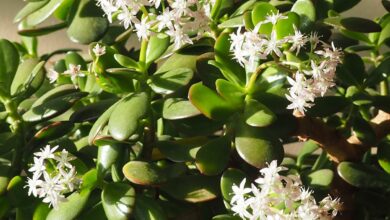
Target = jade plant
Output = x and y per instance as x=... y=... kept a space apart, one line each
x=185 y=109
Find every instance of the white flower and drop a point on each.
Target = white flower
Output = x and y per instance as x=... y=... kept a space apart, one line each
x=37 y=168
x=127 y=18
x=298 y=40
x=239 y=192
x=33 y=185
x=284 y=199
x=69 y=178
x=74 y=71
x=156 y=3
x=179 y=37
x=274 y=18
x=46 y=152
x=51 y=190
x=99 y=50
x=52 y=75
x=143 y=28
x=273 y=45
x=63 y=159
x=165 y=19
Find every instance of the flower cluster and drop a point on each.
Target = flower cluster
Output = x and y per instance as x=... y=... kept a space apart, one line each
x=280 y=197
x=181 y=19
x=52 y=183
x=311 y=80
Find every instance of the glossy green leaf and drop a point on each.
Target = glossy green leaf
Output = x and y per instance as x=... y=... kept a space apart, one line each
x=213 y=157
x=360 y=25
x=29 y=8
x=63 y=11
x=307 y=149
x=133 y=108
x=28 y=77
x=229 y=178
x=260 y=13
x=71 y=208
x=256 y=146
x=107 y=156
x=226 y=217
x=285 y=27
x=183 y=150
x=56 y=92
x=170 y=81
x=192 y=189
x=126 y=61
x=75 y=59
x=319 y=179
x=54 y=130
x=39 y=31
x=230 y=92
x=52 y=108
x=100 y=123
x=148 y=209
x=342 y=5
x=118 y=200
x=94 y=20
x=257 y=114
x=9 y=62
x=177 y=108
x=176 y=61
x=364 y=176
x=157 y=46
x=144 y=173
x=307 y=12
x=383 y=155
x=246 y=6
x=41 y=211
x=233 y=22
x=230 y=69
x=92 y=111
x=43 y=13
x=385 y=34
x=209 y=103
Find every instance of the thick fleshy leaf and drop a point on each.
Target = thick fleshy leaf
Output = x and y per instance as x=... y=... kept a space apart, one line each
x=71 y=208
x=260 y=13
x=64 y=10
x=170 y=81
x=100 y=123
x=52 y=108
x=144 y=173
x=209 y=103
x=132 y=108
x=285 y=27
x=92 y=111
x=94 y=20
x=385 y=34
x=384 y=155
x=234 y=22
x=56 y=92
x=53 y=131
x=17 y=193
x=319 y=179
x=257 y=146
x=157 y=46
x=257 y=114
x=183 y=150
x=213 y=157
x=126 y=61
x=342 y=5
x=230 y=92
x=107 y=156
x=41 y=211
x=364 y=176
x=43 y=13
x=39 y=31
x=118 y=200
x=29 y=8
x=226 y=217
x=246 y=6
x=230 y=69
x=192 y=189
x=307 y=149
x=306 y=10
x=178 y=108
x=178 y=61
x=9 y=62
x=28 y=77
x=229 y=178
x=148 y=209
x=360 y=25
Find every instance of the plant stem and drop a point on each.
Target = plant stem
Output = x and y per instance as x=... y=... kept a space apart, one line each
x=142 y=55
